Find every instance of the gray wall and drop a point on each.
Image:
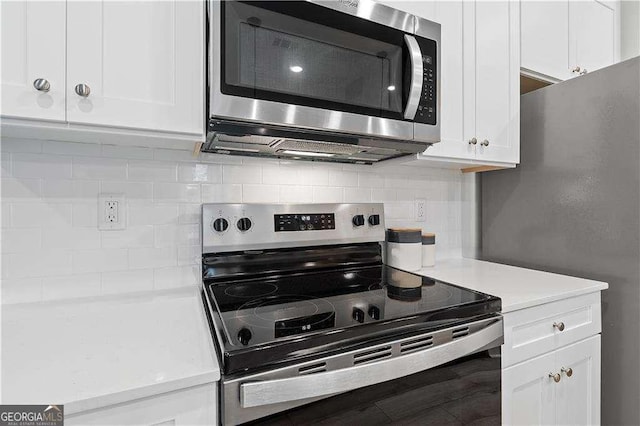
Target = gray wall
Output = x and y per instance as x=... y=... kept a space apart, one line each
x=573 y=207
x=629 y=29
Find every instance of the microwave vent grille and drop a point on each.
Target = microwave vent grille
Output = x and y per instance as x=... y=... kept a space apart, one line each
x=314 y=146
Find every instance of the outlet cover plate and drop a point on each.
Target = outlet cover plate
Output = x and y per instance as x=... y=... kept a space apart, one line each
x=420 y=210
x=111 y=212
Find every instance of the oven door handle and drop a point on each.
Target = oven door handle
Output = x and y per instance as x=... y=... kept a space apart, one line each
x=417 y=72
x=258 y=393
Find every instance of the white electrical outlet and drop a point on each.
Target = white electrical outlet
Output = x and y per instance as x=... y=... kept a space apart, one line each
x=420 y=207
x=111 y=208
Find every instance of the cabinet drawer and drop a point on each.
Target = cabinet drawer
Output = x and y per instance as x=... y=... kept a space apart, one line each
x=534 y=331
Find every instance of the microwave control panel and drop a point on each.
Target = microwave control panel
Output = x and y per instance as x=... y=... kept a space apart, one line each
x=427 y=107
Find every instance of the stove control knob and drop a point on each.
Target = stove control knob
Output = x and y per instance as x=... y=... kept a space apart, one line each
x=358 y=315
x=374 y=219
x=244 y=224
x=374 y=312
x=244 y=336
x=358 y=220
x=220 y=224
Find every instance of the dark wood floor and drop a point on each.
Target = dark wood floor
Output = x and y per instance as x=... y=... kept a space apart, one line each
x=460 y=394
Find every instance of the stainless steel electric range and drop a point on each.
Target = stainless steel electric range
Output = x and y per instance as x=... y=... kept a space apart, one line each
x=303 y=308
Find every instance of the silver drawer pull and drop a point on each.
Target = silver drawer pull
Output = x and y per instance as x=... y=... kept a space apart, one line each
x=41 y=84
x=556 y=377
x=82 y=90
x=484 y=143
x=559 y=326
x=473 y=141
x=567 y=371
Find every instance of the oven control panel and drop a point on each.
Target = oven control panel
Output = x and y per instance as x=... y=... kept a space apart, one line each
x=238 y=227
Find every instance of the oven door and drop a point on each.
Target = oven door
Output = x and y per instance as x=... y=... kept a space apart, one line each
x=263 y=394
x=349 y=67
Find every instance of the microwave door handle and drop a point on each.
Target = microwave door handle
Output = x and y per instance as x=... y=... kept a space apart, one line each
x=259 y=393
x=415 y=90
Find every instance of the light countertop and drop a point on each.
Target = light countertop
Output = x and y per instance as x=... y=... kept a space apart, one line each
x=91 y=353
x=517 y=287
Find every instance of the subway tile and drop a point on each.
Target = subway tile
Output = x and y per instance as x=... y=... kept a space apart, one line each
x=328 y=194
x=241 y=174
x=313 y=176
x=219 y=158
x=71 y=148
x=21 y=240
x=103 y=260
x=23 y=189
x=343 y=178
x=163 y=154
x=152 y=171
x=37 y=263
x=399 y=210
x=189 y=255
x=370 y=180
x=405 y=194
x=381 y=195
x=5 y=211
x=131 y=237
x=85 y=214
x=55 y=190
x=127 y=281
x=199 y=172
x=189 y=213
x=149 y=213
x=357 y=195
x=70 y=287
x=20 y=145
x=25 y=215
x=129 y=152
x=99 y=168
x=176 y=235
x=260 y=193
x=296 y=194
x=222 y=193
x=131 y=190
x=144 y=258
x=23 y=290
x=280 y=175
x=173 y=277
x=177 y=192
x=5 y=165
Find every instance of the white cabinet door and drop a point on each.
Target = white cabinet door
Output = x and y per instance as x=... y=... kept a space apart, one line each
x=592 y=41
x=528 y=393
x=497 y=81
x=578 y=395
x=142 y=61
x=33 y=47
x=544 y=38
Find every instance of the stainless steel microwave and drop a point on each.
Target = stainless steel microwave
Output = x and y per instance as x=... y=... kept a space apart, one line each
x=347 y=80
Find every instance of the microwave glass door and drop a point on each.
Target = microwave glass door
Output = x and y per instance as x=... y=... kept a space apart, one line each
x=328 y=60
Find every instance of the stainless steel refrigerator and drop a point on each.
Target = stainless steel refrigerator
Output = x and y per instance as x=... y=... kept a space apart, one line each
x=573 y=207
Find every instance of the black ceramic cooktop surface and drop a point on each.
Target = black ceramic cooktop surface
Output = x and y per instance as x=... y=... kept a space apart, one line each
x=319 y=312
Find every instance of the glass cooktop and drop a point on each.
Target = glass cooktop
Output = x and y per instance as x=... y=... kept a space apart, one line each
x=299 y=314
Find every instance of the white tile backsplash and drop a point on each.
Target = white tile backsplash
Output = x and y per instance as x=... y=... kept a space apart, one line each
x=52 y=249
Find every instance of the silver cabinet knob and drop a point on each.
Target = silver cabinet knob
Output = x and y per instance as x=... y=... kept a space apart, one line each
x=41 y=84
x=82 y=90
x=556 y=377
x=484 y=143
x=473 y=141
x=559 y=326
x=576 y=69
x=567 y=371
x=584 y=71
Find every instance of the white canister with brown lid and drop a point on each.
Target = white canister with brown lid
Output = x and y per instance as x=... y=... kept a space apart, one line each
x=428 y=250
x=404 y=248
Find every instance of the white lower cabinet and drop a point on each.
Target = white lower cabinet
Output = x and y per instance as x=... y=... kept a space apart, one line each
x=558 y=388
x=192 y=406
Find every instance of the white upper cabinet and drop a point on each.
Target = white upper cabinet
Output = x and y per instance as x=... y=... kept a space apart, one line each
x=136 y=64
x=592 y=39
x=563 y=39
x=544 y=40
x=33 y=59
x=497 y=81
